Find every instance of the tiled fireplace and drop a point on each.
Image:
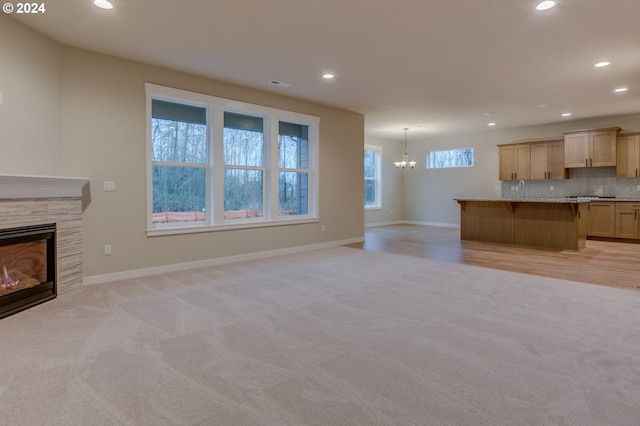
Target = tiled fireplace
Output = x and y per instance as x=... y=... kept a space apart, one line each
x=40 y=238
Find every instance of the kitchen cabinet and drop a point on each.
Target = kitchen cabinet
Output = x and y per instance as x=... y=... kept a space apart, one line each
x=590 y=148
x=547 y=160
x=602 y=218
x=626 y=222
x=514 y=161
x=628 y=155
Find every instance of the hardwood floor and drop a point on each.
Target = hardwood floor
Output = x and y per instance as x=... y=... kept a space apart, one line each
x=615 y=264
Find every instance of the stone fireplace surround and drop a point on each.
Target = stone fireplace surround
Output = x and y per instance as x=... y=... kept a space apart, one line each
x=34 y=200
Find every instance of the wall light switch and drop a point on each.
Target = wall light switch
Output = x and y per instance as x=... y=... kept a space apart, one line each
x=109 y=186
x=638 y=187
x=551 y=188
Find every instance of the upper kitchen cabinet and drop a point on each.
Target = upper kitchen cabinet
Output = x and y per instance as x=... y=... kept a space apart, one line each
x=628 y=153
x=514 y=162
x=590 y=148
x=547 y=160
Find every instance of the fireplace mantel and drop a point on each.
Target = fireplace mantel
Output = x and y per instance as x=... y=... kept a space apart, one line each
x=30 y=186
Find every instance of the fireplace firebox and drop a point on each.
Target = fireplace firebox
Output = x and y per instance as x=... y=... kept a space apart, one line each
x=27 y=267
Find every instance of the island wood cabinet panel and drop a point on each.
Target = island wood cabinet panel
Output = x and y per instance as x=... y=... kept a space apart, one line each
x=514 y=162
x=626 y=222
x=602 y=219
x=590 y=148
x=628 y=155
x=547 y=160
x=557 y=224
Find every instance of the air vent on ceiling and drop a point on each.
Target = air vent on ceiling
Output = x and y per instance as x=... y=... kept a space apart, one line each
x=279 y=83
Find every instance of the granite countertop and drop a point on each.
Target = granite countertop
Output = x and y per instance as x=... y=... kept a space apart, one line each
x=548 y=200
x=527 y=200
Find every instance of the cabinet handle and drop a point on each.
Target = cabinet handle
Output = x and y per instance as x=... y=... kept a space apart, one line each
x=590 y=162
x=586 y=162
x=636 y=172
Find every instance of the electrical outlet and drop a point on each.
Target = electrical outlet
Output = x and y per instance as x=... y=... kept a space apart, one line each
x=551 y=188
x=109 y=186
x=638 y=187
x=107 y=249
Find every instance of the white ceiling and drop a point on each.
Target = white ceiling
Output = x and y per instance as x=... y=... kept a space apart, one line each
x=436 y=67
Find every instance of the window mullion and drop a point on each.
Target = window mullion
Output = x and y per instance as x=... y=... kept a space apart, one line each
x=217 y=185
x=273 y=173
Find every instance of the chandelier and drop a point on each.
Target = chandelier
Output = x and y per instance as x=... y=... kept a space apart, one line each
x=405 y=158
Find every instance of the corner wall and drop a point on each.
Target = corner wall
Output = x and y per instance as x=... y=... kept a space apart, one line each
x=30 y=82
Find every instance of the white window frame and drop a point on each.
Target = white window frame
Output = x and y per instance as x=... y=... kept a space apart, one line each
x=377 y=179
x=428 y=158
x=216 y=107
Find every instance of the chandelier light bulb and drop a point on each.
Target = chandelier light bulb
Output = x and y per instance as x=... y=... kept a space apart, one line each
x=405 y=158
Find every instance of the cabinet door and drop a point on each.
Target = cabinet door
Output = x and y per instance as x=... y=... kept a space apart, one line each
x=576 y=150
x=506 y=162
x=628 y=156
x=601 y=219
x=514 y=162
x=523 y=161
x=602 y=148
x=555 y=168
x=539 y=161
x=627 y=220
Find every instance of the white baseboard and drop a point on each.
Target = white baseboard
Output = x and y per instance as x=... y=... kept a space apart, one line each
x=136 y=273
x=439 y=224
x=409 y=222
x=377 y=224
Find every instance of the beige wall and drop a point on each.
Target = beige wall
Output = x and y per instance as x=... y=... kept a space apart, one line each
x=429 y=194
x=99 y=111
x=30 y=77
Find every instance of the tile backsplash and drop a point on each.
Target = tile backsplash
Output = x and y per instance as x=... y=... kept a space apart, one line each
x=588 y=181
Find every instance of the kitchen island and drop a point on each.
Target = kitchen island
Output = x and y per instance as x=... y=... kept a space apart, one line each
x=556 y=223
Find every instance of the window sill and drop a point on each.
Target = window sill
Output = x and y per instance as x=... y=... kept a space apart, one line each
x=373 y=208
x=198 y=228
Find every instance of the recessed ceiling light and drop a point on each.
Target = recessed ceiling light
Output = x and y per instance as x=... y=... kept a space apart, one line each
x=545 y=5
x=566 y=114
x=602 y=64
x=491 y=124
x=621 y=89
x=489 y=113
x=103 y=4
x=328 y=76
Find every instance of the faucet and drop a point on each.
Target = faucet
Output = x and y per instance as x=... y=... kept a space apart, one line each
x=521 y=188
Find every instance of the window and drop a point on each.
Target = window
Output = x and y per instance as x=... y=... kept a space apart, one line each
x=244 y=167
x=372 y=156
x=293 y=169
x=216 y=164
x=179 y=162
x=462 y=157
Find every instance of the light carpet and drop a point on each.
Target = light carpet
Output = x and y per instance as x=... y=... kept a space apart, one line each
x=337 y=336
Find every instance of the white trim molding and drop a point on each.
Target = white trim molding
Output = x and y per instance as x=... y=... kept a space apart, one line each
x=31 y=186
